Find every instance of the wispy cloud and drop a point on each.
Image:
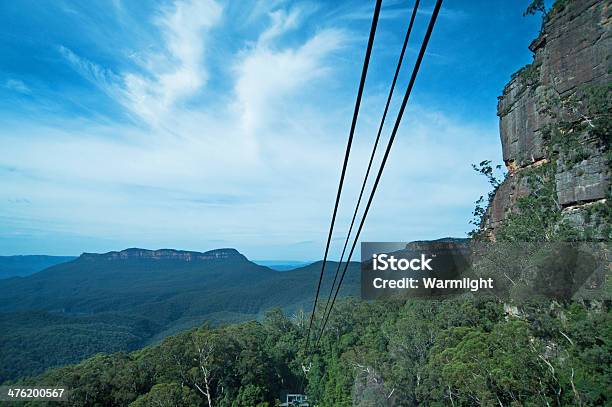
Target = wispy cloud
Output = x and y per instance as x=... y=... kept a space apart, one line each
x=17 y=86
x=179 y=71
x=167 y=76
x=267 y=74
x=239 y=125
x=401 y=10
x=104 y=79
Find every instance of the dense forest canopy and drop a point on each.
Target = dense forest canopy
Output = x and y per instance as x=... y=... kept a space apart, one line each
x=74 y=310
x=461 y=351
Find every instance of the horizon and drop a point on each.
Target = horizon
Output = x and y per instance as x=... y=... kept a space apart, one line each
x=270 y=261
x=177 y=135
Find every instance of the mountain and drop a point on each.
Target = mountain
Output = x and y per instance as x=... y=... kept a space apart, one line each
x=282 y=265
x=12 y=266
x=120 y=301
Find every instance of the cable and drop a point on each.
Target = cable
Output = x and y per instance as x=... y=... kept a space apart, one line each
x=386 y=155
x=415 y=71
x=364 y=72
x=380 y=128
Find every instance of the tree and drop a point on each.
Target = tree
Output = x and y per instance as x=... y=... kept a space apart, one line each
x=168 y=395
x=204 y=346
x=536 y=6
x=250 y=396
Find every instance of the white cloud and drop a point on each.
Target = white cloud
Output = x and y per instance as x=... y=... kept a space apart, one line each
x=105 y=79
x=281 y=23
x=168 y=76
x=267 y=74
x=256 y=168
x=17 y=86
x=156 y=192
x=178 y=72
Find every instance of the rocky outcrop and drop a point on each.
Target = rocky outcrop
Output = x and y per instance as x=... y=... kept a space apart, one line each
x=165 y=254
x=555 y=113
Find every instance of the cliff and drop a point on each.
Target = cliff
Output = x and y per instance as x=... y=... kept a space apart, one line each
x=166 y=254
x=555 y=121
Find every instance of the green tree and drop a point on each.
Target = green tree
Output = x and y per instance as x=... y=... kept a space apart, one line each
x=250 y=396
x=168 y=395
x=536 y=6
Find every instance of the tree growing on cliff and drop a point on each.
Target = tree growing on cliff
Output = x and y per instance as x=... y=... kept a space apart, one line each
x=536 y=6
x=487 y=170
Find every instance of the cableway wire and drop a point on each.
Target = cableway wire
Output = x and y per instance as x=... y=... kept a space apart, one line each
x=364 y=71
x=367 y=173
x=415 y=71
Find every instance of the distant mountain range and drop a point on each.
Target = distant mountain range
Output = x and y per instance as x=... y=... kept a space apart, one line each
x=13 y=266
x=121 y=301
x=282 y=265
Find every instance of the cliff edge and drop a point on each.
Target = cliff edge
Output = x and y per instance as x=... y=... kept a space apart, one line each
x=555 y=122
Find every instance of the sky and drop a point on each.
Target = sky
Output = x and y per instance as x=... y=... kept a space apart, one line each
x=206 y=124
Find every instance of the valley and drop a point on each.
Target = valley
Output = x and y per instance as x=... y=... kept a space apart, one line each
x=121 y=301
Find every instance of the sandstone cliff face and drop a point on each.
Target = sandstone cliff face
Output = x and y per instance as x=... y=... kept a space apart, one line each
x=551 y=114
x=166 y=254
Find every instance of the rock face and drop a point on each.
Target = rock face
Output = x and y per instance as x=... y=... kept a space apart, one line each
x=550 y=113
x=166 y=254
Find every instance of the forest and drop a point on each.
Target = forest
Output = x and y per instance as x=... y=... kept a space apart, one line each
x=461 y=351
x=74 y=310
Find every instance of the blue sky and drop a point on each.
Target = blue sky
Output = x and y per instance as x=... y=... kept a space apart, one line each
x=206 y=124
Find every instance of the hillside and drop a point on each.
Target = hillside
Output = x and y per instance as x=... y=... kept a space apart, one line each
x=464 y=352
x=19 y=266
x=121 y=301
